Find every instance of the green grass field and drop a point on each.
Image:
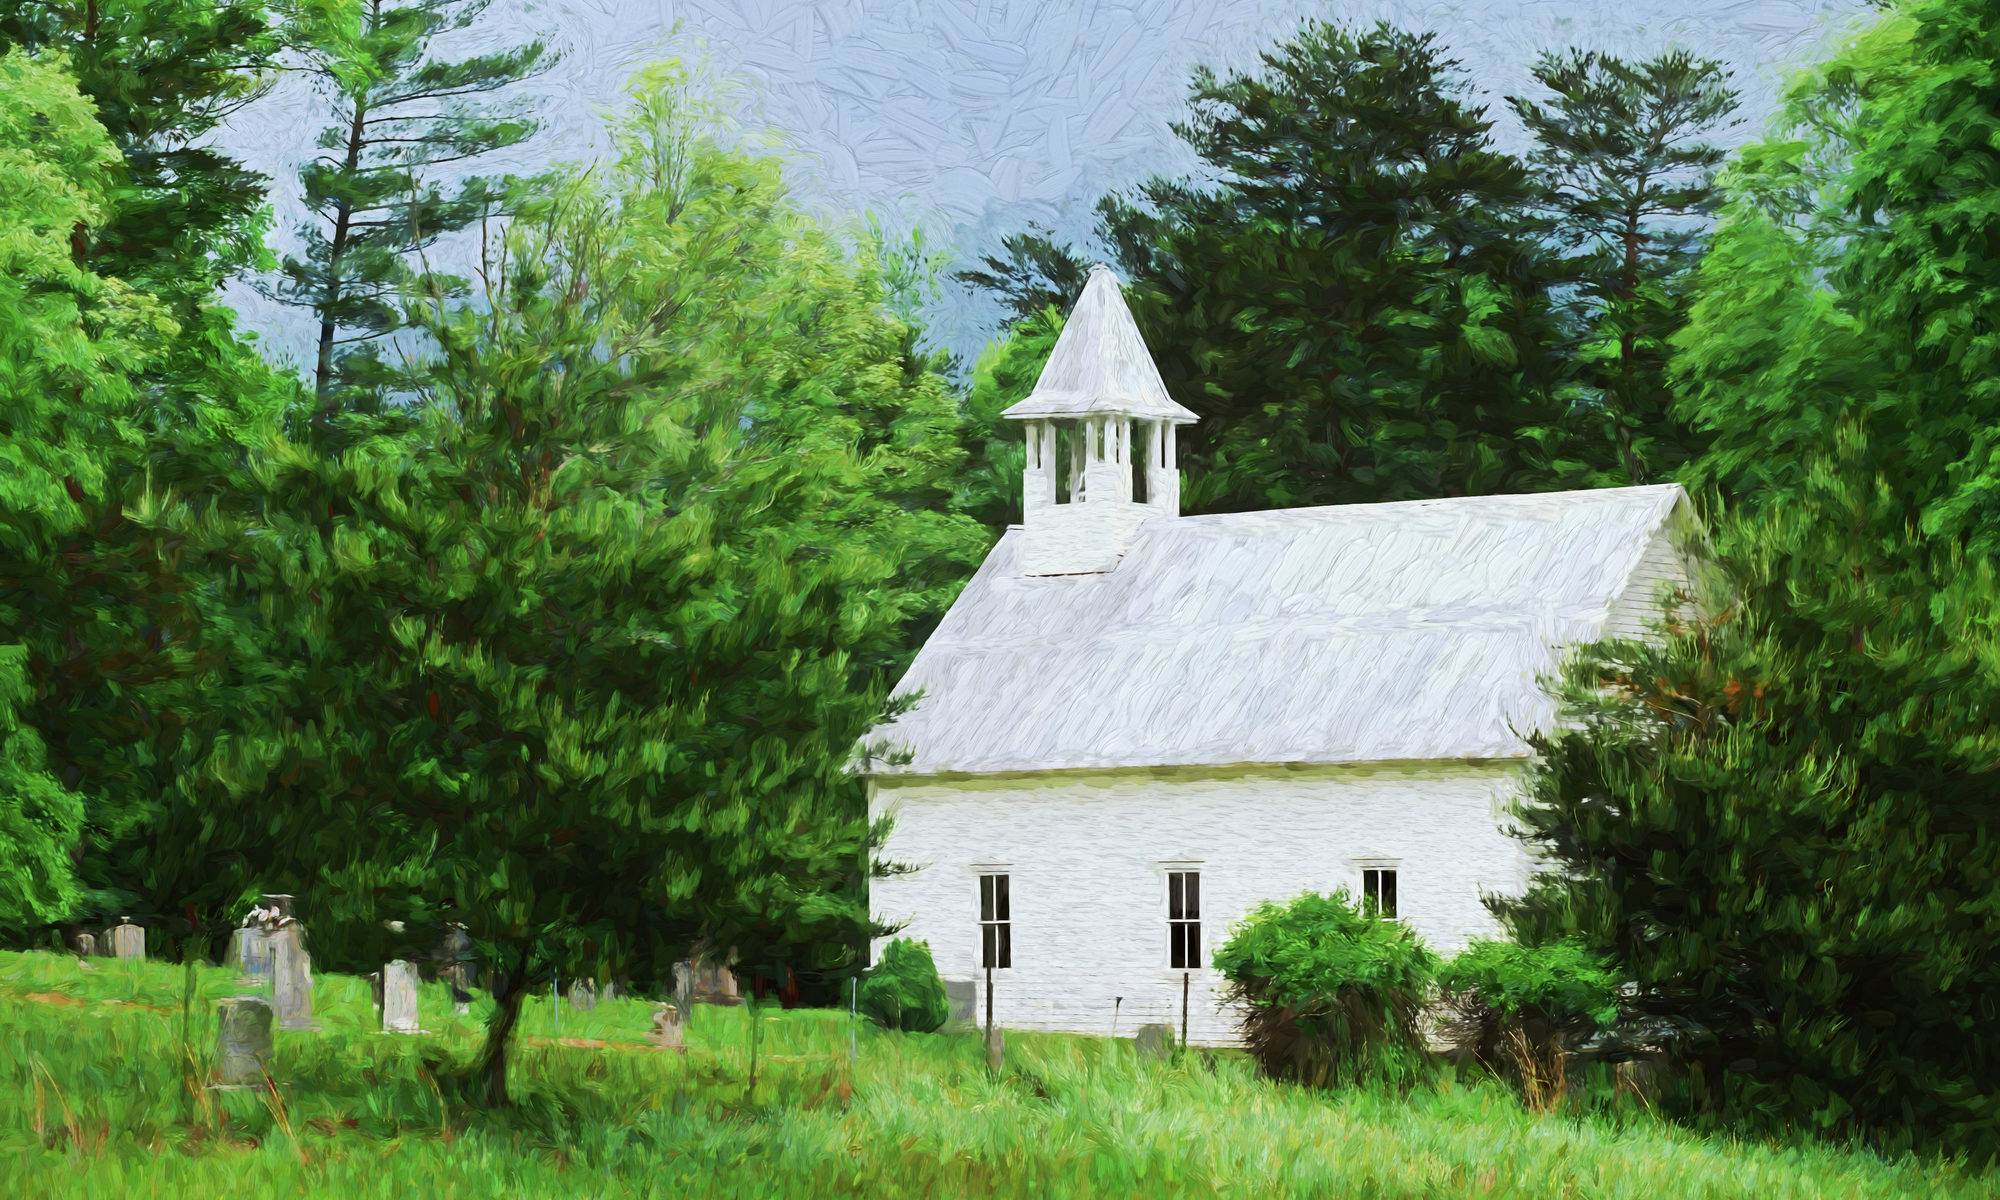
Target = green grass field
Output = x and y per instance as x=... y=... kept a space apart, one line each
x=95 y=1100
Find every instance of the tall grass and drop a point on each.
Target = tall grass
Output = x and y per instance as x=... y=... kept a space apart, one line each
x=96 y=1100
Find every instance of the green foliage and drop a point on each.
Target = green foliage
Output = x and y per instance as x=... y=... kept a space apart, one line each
x=1628 y=183
x=400 y=119
x=1516 y=1008
x=67 y=335
x=1359 y=309
x=1779 y=818
x=1334 y=992
x=164 y=74
x=1037 y=274
x=903 y=991
x=578 y=657
x=990 y=484
x=1562 y=980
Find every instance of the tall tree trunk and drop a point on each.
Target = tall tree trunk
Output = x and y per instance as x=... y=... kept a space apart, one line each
x=491 y=1070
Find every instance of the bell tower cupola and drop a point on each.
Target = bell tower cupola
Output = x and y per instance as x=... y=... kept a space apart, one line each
x=1101 y=445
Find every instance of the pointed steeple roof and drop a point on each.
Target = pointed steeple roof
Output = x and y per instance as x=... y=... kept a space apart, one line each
x=1100 y=364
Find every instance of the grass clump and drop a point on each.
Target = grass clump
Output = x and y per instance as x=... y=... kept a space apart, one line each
x=1335 y=994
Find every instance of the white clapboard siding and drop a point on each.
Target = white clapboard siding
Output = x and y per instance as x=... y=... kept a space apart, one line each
x=1086 y=853
x=1633 y=614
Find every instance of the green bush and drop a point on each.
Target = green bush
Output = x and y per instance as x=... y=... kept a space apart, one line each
x=1334 y=995
x=1516 y=1009
x=904 y=991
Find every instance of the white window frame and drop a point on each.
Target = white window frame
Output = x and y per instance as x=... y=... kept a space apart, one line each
x=980 y=875
x=1167 y=872
x=1395 y=869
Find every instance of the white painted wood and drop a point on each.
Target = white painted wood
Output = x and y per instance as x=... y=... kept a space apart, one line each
x=1087 y=854
x=1100 y=364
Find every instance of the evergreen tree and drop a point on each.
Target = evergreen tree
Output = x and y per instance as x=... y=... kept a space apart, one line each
x=996 y=448
x=1628 y=178
x=1361 y=308
x=1036 y=274
x=400 y=122
x=584 y=652
x=164 y=74
x=1780 y=818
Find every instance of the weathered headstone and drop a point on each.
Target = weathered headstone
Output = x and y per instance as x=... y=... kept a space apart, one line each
x=242 y=1040
x=1155 y=1041
x=963 y=996
x=292 y=978
x=583 y=995
x=128 y=940
x=253 y=950
x=84 y=944
x=668 y=1029
x=399 y=998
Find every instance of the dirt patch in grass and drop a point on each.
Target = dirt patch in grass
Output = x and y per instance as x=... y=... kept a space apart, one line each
x=54 y=998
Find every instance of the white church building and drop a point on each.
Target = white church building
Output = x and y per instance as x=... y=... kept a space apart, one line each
x=1136 y=725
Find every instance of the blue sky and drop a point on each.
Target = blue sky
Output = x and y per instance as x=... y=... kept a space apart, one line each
x=971 y=118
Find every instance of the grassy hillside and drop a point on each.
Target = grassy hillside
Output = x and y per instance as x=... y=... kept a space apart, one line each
x=95 y=1101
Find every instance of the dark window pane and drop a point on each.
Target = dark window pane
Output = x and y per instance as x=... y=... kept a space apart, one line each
x=1174 y=955
x=1000 y=898
x=1191 y=897
x=1173 y=895
x=986 y=936
x=986 y=897
x=1006 y=938
x=1388 y=893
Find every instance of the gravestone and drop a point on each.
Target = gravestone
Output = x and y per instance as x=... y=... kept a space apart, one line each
x=1155 y=1041
x=128 y=940
x=84 y=944
x=375 y=991
x=668 y=1030
x=242 y=1040
x=583 y=995
x=292 y=978
x=252 y=950
x=963 y=997
x=399 y=998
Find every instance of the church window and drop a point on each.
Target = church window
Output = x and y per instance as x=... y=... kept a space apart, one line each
x=1378 y=889
x=1184 y=920
x=996 y=924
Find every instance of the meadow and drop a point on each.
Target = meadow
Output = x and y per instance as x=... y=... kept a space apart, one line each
x=99 y=1098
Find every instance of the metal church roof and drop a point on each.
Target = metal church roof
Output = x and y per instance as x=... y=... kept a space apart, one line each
x=1100 y=364
x=1358 y=633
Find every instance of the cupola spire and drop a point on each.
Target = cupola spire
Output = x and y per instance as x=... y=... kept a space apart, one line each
x=1101 y=444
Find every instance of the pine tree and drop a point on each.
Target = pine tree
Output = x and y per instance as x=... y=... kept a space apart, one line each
x=1036 y=274
x=400 y=123
x=1628 y=178
x=585 y=650
x=1780 y=818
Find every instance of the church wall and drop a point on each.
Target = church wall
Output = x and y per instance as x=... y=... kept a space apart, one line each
x=1639 y=606
x=1087 y=854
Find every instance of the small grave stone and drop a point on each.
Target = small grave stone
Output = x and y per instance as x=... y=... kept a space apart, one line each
x=963 y=996
x=583 y=996
x=292 y=975
x=668 y=1029
x=996 y=1047
x=85 y=944
x=242 y=1040
x=128 y=940
x=375 y=991
x=253 y=951
x=1155 y=1041
x=399 y=998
